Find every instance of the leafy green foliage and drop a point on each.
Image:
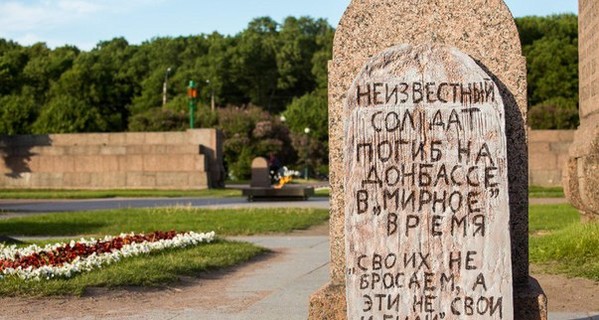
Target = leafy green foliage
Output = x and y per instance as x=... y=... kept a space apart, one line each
x=17 y=112
x=279 y=67
x=550 y=45
x=310 y=112
x=555 y=113
x=251 y=132
x=67 y=114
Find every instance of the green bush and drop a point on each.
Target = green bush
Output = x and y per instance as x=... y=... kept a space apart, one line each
x=160 y=119
x=17 y=113
x=252 y=132
x=67 y=114
x=554 y=114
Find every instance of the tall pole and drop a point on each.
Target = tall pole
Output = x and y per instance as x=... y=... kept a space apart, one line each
x=211 y=95
x=164 y=86
x=307 y=132
x=212 y=99
x=192 y=94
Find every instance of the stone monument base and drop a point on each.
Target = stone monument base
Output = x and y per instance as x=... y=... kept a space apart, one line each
x=285 y=193
x=328 y=303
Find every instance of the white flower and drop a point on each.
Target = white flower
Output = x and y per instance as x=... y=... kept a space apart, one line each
x=94 y=260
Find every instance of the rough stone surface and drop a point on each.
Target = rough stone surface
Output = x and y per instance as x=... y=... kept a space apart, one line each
x=548 y=156
x=140 y=160
x=426 y=187
x=484 y=30
x=260 y=176
x=328 y=303
x=581 y=175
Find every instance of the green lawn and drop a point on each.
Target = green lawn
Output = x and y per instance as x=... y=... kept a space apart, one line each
x=559 y=243
x=545 y=192
x=223 y=221
x=161 y=268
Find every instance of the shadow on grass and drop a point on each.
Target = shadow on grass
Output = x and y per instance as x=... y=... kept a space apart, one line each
x=48 y=229
x=9 y=240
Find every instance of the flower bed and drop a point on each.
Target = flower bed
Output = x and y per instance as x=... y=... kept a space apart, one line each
x=66 y=260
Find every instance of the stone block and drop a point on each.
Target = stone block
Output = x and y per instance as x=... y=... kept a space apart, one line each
x=141 y=180
x=117 y=139
x=135 y=149
x=79 y=180
x=134 y=180
x=559 y=147
x=83 y=150
x=108 y=180
x=183 y=149
x=130 y=163
x=158 y=163
x=543 y=161
x=538 y=147
x=135 y=138
x=46 y=180
x=545 y=178
x=39 y=150
x=62 y=163
x=160 y=149
x=199 y=163
x=96 y=164
x=22 y=180
x=544 y=135
x=328 y=303
x=172 y=180
x=567 y=135
x=370 y=26
x=33 y=164
x=66 y=139
x=198 y=180
x=95 y=139
x=109 y=163
x=205 y=137
x=112 y=150
x=156 y=138
x=176 y=138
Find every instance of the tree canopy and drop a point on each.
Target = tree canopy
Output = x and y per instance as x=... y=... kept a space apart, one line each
x=266 y=71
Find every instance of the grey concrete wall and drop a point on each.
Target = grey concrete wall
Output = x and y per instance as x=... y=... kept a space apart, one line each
x=548 y=154
x=136 y=160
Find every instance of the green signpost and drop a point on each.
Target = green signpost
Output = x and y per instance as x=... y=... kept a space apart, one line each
x=192 y=94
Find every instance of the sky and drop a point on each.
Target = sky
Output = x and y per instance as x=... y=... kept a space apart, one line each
x=84 y=23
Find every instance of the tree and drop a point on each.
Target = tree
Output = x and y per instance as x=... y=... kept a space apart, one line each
x=68 y=114
x=17 y=114
x=310 y=112
x=550 y=45
x=254 y=63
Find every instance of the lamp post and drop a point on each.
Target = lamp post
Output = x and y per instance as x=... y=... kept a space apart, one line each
x=192 y=94
x=164 y=85
x=211 y=95
x=307 y=132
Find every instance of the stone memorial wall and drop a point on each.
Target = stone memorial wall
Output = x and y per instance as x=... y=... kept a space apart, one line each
x=129 y=160
x=581 y=175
